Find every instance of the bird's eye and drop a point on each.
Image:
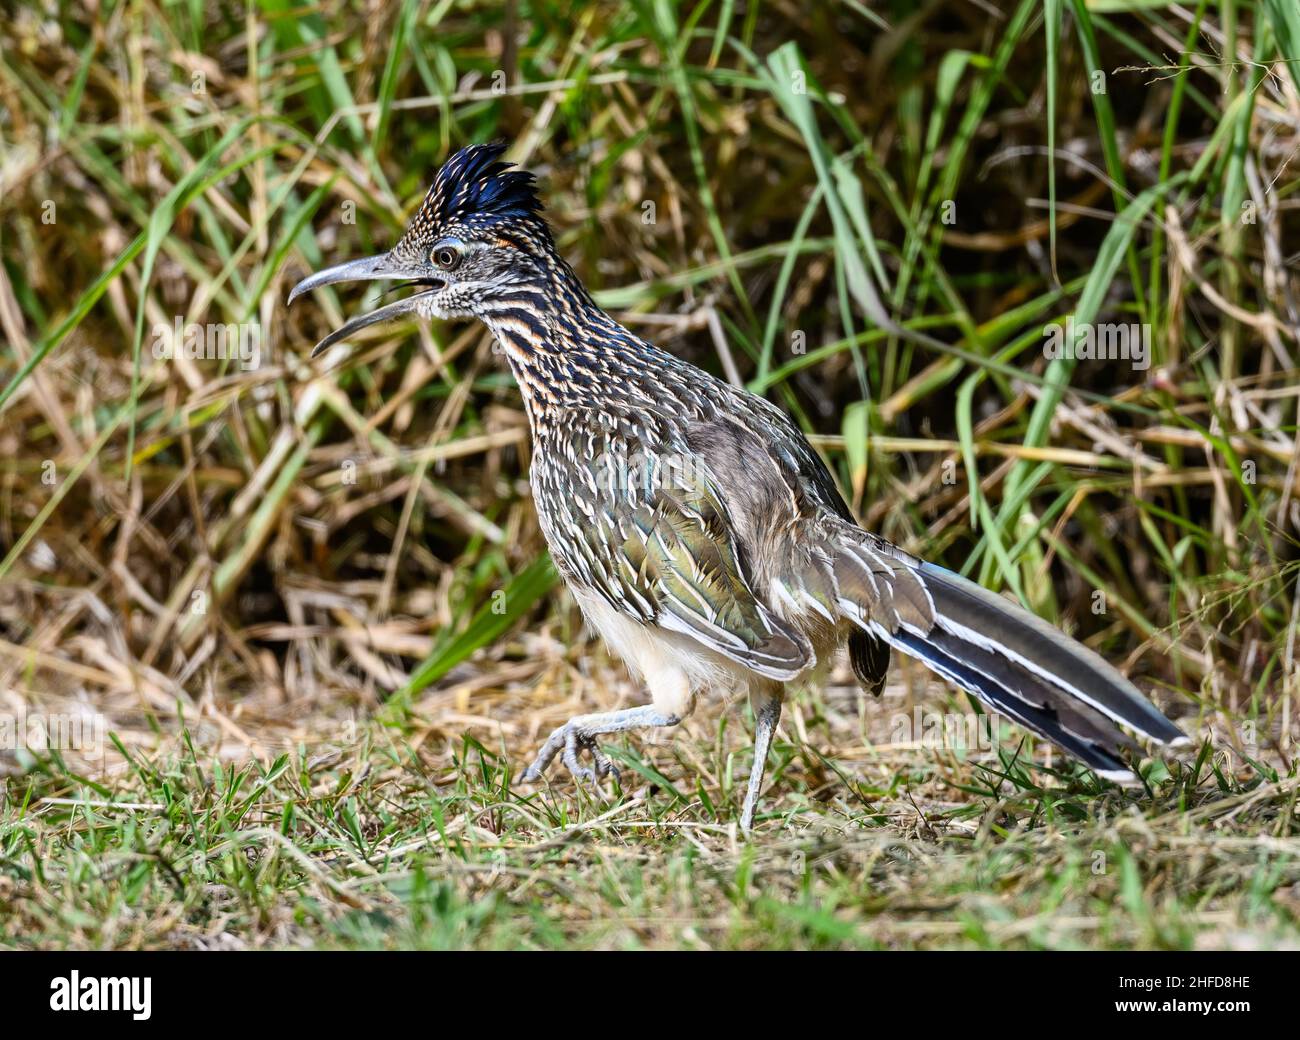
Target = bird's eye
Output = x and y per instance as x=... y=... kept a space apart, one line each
x=446 y=257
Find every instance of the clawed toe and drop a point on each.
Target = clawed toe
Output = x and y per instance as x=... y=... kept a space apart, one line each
x=604 y=767
x=531 y=775
x=572 y=739
x=577 y=742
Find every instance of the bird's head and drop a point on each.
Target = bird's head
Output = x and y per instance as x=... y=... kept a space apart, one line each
x=476 y=240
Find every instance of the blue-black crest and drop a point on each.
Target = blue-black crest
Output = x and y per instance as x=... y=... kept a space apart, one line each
x=475 y=189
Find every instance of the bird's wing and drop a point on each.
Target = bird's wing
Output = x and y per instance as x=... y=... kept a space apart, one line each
x=778 y=492
x=677 y=564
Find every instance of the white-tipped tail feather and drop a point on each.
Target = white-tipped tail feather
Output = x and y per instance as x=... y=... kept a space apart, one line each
x=1014 y=662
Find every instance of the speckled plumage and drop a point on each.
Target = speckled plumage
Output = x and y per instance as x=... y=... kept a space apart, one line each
x=698 y=530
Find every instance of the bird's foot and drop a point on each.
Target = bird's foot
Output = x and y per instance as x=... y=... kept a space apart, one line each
x=571 y=739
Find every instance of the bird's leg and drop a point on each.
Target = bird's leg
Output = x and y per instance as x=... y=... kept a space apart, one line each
x=673 y=701
x=766 y=702
x=579 y=734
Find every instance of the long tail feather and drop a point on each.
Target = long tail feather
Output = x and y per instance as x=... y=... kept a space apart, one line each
x=975 y=615
x=994 y=681
x=1014 y=662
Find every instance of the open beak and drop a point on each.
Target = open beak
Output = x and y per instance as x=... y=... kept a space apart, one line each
x=372 y=268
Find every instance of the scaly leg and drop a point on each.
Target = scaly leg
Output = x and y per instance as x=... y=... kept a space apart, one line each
x=673 y=701
x=766 y=701
x=579 y=734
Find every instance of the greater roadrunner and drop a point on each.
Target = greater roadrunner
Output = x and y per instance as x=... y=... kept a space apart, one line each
x=699 y=532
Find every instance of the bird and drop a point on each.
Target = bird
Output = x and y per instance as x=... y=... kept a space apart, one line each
x=699 y=532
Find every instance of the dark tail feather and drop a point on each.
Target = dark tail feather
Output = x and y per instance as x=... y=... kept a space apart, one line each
x=964 y=608
x=869 y=656
x=1006 y=689
x=1022 y=667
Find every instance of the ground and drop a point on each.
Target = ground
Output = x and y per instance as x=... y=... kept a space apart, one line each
x=263 y=824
